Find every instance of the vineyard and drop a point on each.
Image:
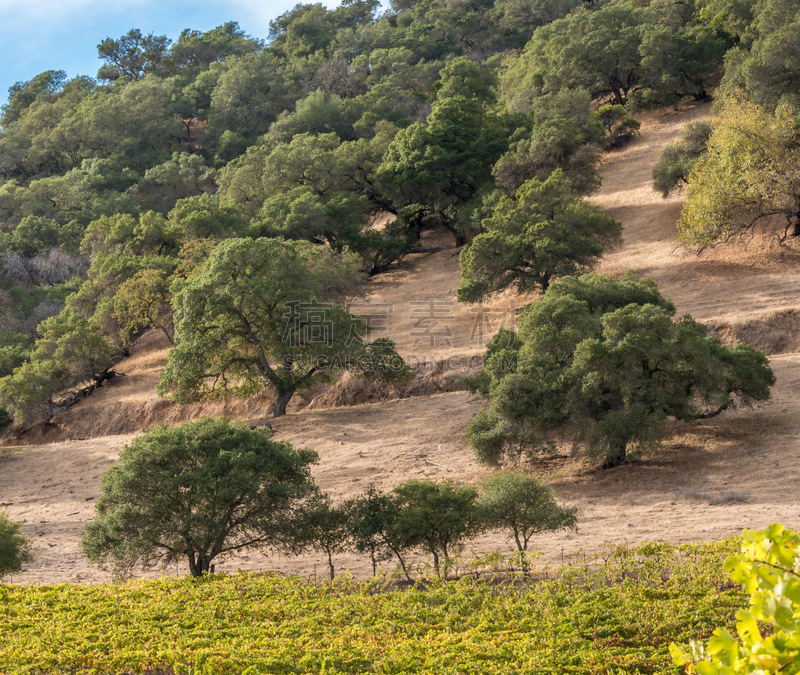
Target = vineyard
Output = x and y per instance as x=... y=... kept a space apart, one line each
x=617 y=614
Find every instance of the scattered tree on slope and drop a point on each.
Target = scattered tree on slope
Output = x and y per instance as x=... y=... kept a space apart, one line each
x=261 y=314
x=603 y=363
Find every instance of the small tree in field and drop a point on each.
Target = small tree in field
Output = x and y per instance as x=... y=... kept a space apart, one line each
x=371 y=523
x=14 y=547
x=524 y=505
x=321 y=526
x=194 y=492
x=439 y=517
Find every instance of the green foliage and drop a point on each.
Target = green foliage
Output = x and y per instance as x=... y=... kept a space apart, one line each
x=45 y=86
x=132 y=56
x=143 y=302
x=182 y=176
x=656 y=52
x=622 y=133
x=194 y=492
x=439 y=168
x=15 y=349
x=320 y=526
x=245 y=322
x=676 y=160
x=748 y=173
x=194 y=51
x=604 y=364
x=547 y=231
x=557 y=131
x=767 y=569
x=439 y=517
x=583 y=620
x=14 y=547
x=69 y=352
x=764 y=63
x=370 y=523
x=5 y=420
x=513 y=501
x=250 y=94
x=596 y=50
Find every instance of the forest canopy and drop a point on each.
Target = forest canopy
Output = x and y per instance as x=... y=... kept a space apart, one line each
x=116 y=188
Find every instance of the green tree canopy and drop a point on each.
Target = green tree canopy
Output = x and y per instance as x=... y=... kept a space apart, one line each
x=320 y=526
x=524 y=505
x=14 y=547
x=436 y=170
x=195 y=492
x=546 y=231
x=764 y=63
x=439 y=517
x=132 y=56
x=195 y=50
x=371 y=518
x=677 y=159
x=563 y=130
x=749 y=172
x=595 y=49
x=69 y=353
x=604 y=364
x=261 y=314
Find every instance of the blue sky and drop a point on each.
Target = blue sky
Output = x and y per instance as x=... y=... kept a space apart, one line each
x=39 y=35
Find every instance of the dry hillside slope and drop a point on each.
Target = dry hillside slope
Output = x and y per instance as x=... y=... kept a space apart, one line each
x=708 y=481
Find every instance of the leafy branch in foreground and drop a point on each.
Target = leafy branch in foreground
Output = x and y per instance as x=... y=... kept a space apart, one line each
x=768 y=568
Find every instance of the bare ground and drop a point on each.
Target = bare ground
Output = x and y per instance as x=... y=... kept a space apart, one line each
x=707 y=481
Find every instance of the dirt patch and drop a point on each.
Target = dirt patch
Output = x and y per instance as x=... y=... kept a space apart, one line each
x=777 y=333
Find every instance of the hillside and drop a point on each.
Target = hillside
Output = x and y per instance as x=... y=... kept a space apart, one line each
x=709 y=480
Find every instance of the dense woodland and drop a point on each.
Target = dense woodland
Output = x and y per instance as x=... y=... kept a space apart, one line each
x=116 y=191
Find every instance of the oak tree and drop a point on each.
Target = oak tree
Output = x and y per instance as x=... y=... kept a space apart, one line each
x=603 y=364
x=262 y=313
x=195 y=492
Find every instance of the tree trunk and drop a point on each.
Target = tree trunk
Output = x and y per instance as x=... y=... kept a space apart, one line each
x=402 y=564
x=330 y=564
x=436 y=562
x=615 y=456
x=198 y=565
x=280 y=403
x=169 y=337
